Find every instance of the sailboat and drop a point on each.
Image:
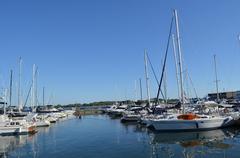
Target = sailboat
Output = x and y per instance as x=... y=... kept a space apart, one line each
x=186 y=121
x=134 y=114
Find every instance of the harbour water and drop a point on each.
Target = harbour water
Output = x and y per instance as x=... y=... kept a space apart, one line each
x=99 y=136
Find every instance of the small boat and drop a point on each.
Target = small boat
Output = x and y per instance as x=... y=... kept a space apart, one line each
x=52 y=119
x=17 y=127
x=117 y=111
x=42 y=123
x=39 y=120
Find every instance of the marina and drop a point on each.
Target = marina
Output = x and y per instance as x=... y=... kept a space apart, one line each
x=104 y=79
x=83 y=138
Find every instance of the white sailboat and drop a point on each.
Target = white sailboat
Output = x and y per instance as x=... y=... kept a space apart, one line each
x=187 y=121
x=135 y=114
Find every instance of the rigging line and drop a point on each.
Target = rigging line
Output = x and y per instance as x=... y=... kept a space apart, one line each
x=195 y=91
x=28 y=95
x=165 y=59
x=154 y=73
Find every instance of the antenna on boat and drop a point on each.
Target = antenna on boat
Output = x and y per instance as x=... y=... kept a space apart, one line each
x=215 y=65
x=180 y=59
x=146 y=75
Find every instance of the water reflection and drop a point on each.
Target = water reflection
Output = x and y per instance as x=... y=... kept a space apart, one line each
x=10 y=143
x=100 y=136
x=192 y=144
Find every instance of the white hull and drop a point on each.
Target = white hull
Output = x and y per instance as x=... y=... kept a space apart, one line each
x=131 y=118
x=196 y=124
x=9 y=130
x=13 y=130
x=42 y=123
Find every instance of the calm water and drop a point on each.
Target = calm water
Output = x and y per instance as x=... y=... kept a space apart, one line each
x=102 y=137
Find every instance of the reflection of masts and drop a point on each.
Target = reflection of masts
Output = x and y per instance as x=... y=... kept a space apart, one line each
x=215 y=65
x=146 y=76
x=180 y=59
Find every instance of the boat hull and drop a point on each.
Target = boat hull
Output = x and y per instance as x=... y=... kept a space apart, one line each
x=184 y=125
x=131 y=118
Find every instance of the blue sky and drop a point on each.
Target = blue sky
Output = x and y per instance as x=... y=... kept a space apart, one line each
x=92 y=50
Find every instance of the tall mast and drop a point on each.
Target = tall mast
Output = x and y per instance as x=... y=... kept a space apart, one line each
x=135 y=89
x=43 y=96
x=140 y=85
x=180 y=59
x=19 y=84
x=33 y=85
x=176 y=65
x=10 y=88
x=36 y=87
x=216 y=77
x=146 y=76
x=5 y=101
x=165 y=86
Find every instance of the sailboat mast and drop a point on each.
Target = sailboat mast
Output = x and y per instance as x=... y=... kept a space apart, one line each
x=140 y=84
x=215 y=65
x=10 y=88
x=43 y=96
x=176 y=65
x=5 y=101
x=36 y=87
x=33 y=86
x=165 y=86
x=146 y=75
x=180 y=59
x=19 y=84
x=135 y=89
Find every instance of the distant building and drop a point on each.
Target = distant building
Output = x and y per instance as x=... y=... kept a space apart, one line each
x=231 y=95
